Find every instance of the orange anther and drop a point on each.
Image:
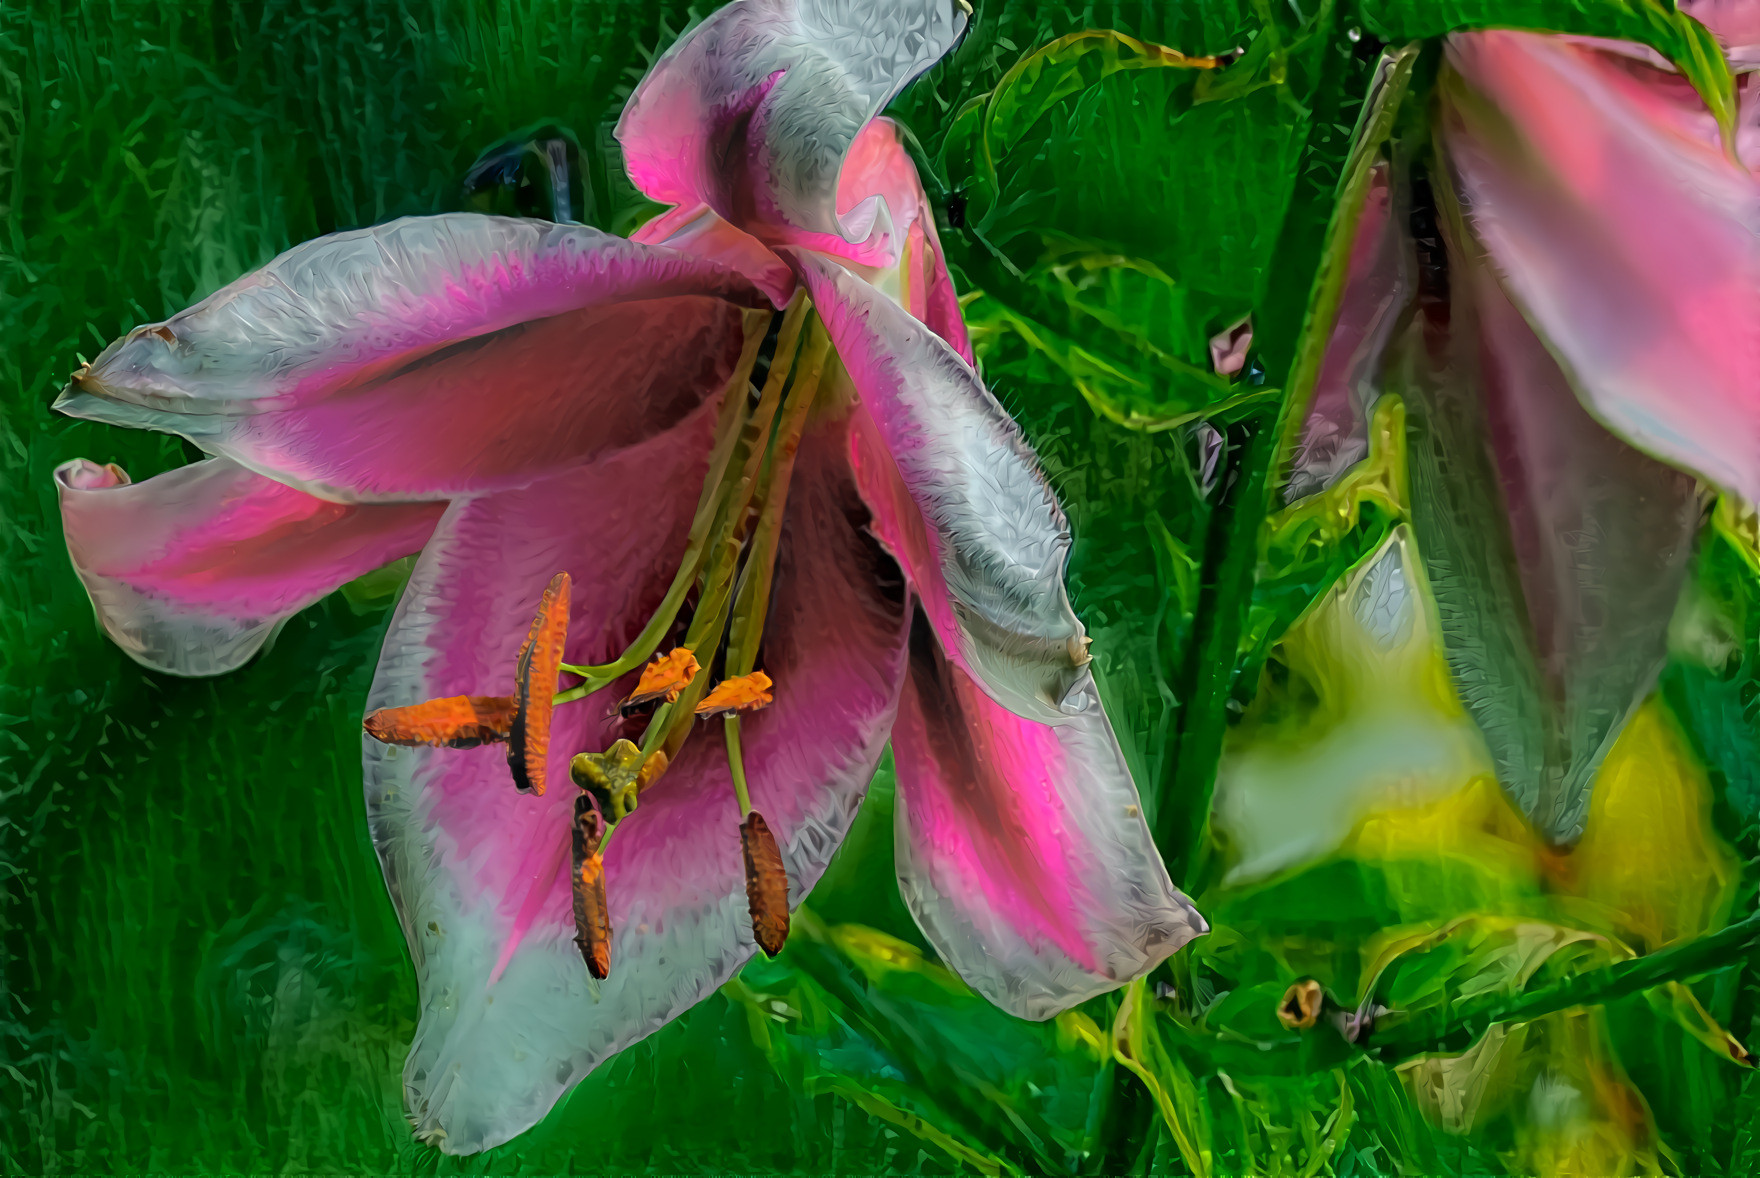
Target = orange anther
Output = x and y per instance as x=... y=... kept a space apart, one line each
x=746 y=693
x=540 y=662
x=664 y=678
x=458 y=721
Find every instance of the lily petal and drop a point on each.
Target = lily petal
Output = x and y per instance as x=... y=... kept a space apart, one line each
x=193 y=571
x=373 y=364
x=1624 y=233
x=1022 y=849
x=697 y=230
x=510 y=1019
x=1556 y=552
x=754 y=110
x=958 y=498
x=1335 y=435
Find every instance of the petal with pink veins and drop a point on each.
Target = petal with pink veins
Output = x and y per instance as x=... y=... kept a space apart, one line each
x=480 y=872
x=193 y=571
x=697 y=230
x=958 y=497
x=754 y=111
x=1022 y=848
x=431 y=356
x=1626 y=236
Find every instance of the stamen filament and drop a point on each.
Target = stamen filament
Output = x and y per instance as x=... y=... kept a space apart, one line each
x=736 y=765
x=736 y=431
x=752 y=603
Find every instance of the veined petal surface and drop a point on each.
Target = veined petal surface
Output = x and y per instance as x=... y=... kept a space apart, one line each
x=1627 y=237
x=510 y=1018
x=431 y=356
x=958 y=497
x=1022 y=849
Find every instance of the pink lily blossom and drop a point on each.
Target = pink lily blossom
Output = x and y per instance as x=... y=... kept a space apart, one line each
x=518 y=400
x=1566 y=293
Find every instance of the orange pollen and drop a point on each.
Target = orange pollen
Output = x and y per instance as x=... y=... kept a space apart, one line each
x=540 y=662
x=746 y=693
x=458 y=721
x=664 y=678
x=653 y=769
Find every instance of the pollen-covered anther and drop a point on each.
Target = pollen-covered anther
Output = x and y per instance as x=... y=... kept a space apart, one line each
x=592 y=914
x=613 y=776
x=540 y=662
x=653 y=769
x=766 y=884
x=664 y=678
x=1300 y=1007
x=746 y=693
x=457 y=721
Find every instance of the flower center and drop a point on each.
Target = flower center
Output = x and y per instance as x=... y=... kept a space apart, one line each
x=729 y=565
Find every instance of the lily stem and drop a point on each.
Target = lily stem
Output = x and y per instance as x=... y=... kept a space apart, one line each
x=736 y=765
x=735 y=432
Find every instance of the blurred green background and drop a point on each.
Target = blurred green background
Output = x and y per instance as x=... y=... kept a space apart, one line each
x=202 y=969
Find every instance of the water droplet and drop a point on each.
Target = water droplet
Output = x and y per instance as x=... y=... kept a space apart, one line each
x=1354 y=33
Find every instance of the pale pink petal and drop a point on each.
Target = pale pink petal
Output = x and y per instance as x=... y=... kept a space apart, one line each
x=698 y=231
x=958 y=497
x=1625 y=235
x=1022 y=849
x=194 y=570
x=476 y=867
x=1229 y=347
x=1335 y=434
x=754 y=111
x=431 y=356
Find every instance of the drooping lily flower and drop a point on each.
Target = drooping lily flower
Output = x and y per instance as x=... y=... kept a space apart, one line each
x=1566 y=292
x=625 y=522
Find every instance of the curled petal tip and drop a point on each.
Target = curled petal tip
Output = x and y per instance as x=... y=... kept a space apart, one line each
x=540 y=662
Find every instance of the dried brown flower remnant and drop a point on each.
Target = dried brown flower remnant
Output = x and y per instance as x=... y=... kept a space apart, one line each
x=1300 y=1008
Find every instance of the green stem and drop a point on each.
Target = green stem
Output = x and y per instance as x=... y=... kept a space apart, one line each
x=752 y=605
x=1464 y=1022
x=734 y=432
x=736 y=765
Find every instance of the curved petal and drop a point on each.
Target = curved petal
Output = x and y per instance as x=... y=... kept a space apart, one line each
x=1022 y=849
x=1626 y=236
x=510 y=1019
x=1335 y=434
x=754 y=111
x=1556 y=552
x=958 y=497
x=375 y=364
x=194 y=570
x=697 y=230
